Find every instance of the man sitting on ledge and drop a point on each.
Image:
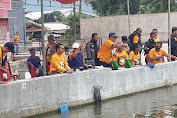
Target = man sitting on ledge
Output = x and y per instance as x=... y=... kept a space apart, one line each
x=156 y=55
x=76 y=59
x=58 y=61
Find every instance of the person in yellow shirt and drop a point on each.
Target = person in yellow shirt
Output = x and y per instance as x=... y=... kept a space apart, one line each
x=124 y=40
x=157 y=54
x=16 y=42
x=121 y=59
x=156 y=38
x=134 y=56
x=8 y=47
x=105 y=52
x=135 y=38
x=50 y=48
x=58 y=63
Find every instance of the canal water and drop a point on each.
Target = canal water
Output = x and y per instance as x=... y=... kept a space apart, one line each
x=157 y=103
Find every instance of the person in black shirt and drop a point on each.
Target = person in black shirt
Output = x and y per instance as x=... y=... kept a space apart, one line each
x=174 y=42
x=92 y=48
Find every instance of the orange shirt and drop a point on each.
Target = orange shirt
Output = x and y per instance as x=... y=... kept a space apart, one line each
x=134 y=58
x=157 y=39
x=58 y=63
x=2 y=56
x=135 y=39
x=154 y=53
x=16 y=39
x=104 y=54
x=48 y=53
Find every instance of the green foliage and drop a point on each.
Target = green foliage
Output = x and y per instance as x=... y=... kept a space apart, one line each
x=69 y=34
x=55 y=16
x=119 y=7
x=31 y=36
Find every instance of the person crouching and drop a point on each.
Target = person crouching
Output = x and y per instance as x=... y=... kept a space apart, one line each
x=121 y=59
x=76 y=59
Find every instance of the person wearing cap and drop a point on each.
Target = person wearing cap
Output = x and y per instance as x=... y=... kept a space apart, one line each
x=35 y=60
x=67 y=52
x=92 y=49
x=105 y=52
x=50 y=48
x=58 y=63
x=174 y=42
x=135 y=38
x=124 y=40
x=76 y=59
x=17 y=41
x=156 y=55
x=8 y=47
x=156 y=39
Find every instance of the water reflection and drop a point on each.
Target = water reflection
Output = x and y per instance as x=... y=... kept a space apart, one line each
x=158 y=103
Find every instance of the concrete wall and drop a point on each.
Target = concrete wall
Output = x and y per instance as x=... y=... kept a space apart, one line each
x=119 y=24
x=39 y=95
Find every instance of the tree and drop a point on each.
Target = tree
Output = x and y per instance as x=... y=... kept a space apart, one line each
x=119 y=7
x=69 y=34
x=55 y=16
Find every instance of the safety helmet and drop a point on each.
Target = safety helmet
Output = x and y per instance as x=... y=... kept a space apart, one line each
x=75 y=45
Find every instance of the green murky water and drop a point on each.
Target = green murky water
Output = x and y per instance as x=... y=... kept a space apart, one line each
x=158 y=103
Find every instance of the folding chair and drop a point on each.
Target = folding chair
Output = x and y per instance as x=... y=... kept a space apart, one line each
x=32 y=70
x=10 y=73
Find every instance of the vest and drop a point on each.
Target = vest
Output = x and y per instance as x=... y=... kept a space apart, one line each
x=76 y=62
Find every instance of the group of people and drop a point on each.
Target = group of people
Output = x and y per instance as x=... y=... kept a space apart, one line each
x=113 y=55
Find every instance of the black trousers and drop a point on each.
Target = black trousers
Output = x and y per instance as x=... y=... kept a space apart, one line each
x=106 y=64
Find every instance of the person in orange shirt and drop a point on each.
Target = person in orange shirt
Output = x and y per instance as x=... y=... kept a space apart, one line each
x=134 y=56
x=58 y=61
x=50 y=48
x=156 y=38
x=105 y=52
x=135 y=38
x=16 y=42
x=157 y=54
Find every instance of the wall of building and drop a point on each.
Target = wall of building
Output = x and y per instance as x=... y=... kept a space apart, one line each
x=44 y=94
x=4 y=30
x=119 y=24
x=17 y=23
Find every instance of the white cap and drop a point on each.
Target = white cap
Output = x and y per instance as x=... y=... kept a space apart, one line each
x=75 y=45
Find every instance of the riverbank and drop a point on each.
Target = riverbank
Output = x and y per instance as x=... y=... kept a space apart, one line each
x=44 y=94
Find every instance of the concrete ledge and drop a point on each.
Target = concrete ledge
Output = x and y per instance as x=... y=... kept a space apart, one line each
x=43 y=94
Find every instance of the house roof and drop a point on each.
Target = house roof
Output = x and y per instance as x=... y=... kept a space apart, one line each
x=65 y=12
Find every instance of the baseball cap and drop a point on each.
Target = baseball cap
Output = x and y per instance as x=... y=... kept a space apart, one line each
x=66 y=47
x=112 y=34
x=51 y=37
x=32 y=50
x=10 y=46
x=75 y=45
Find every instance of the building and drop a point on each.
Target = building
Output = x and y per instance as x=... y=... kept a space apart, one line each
x=12 y=20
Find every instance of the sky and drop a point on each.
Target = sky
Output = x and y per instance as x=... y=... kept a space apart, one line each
x=85 y=7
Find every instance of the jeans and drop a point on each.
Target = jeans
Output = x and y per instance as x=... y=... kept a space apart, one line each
x=17 y=48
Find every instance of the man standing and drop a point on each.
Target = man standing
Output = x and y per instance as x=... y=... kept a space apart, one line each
x=50 y=48
x=150 y=43
x=156 y=38
x=17 y=41
x=135 y=38
x=157 y=54
x=105 y=52
x=174 y=42
x=92 y=48
x=58 y=61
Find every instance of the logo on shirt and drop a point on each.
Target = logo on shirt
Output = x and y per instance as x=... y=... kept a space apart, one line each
x=62 y=64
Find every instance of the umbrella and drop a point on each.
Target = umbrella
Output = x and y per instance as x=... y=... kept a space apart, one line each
x=67 y=1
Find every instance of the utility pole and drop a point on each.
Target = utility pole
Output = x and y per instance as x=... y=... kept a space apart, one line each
x=169 y=28
x=43 y=46
x=128 y=9
x=74 y=10
x=80 y=6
